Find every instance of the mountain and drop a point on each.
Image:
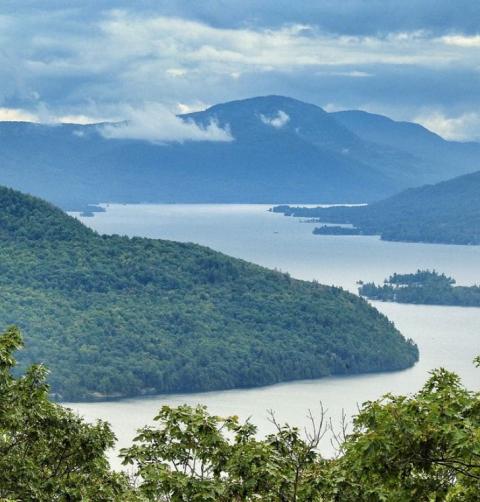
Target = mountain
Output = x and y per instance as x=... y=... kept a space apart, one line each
x=283 y=150
x=114 y=316
x=440 y=159
x=447 y=212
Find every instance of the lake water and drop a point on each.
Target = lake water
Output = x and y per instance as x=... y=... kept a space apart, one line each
x=446 y=336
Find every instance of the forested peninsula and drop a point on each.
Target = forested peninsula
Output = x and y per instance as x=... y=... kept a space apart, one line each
x=423 y=287
x=113 y=316
x=445 y=213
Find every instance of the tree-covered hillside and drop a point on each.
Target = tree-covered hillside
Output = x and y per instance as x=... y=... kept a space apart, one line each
x=448 y=213
x=118 y=316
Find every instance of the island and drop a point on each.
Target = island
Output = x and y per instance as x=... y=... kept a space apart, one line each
x=426 y=287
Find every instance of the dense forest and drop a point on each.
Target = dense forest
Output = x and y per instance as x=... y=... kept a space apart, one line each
x=423 y=287
x=448 y=213
x=424 y=447
x=115 y=316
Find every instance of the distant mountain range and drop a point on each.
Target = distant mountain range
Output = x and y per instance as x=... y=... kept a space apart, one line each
x=447 y=212
x=282 y=150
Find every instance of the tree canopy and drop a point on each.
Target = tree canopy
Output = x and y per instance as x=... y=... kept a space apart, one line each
x=47 y=452
x=424 y=447
x=115 y=316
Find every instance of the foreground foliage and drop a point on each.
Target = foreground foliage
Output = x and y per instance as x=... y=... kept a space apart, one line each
x=421 y=448
x=47 y=452
x=116 y=316
x=423 y=287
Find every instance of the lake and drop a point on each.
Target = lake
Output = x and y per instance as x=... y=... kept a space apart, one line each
x=446 y=336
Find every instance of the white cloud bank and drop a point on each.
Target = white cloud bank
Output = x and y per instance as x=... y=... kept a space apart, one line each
x=464 y=127
x=16 y=115
x=43 y=116
x=156 y=123
x=462 y=40
x=278 y=121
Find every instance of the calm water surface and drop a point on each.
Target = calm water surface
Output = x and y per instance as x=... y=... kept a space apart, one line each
x=447 y=336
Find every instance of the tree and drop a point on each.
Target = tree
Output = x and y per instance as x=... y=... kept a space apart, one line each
x=424 y=448
x=47 y=452
x=192 y=455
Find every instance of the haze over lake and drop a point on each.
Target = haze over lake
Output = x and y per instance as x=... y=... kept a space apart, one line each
x=447 y=336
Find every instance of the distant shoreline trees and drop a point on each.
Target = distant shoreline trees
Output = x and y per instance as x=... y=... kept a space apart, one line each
x=423 y=287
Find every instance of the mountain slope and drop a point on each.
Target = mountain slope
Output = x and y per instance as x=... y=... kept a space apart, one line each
x=263 y=163
x=440 y=159
x=252 y=118
x=113 y=316
x=283 y=150
x=447 y=212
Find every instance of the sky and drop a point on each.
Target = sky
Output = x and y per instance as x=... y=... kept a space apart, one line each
x=88 y=61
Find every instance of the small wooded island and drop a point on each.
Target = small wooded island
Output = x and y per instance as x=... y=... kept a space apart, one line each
x=426 y=287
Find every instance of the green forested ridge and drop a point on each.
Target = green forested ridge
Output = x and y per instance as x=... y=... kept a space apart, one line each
x=117 y=316
x=425 y=447
x=423 y=287
x=448 y=213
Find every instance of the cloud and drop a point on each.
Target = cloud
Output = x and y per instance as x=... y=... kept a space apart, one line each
x=353 y=17
x=181 y=46
x=155 y=123
x=176 y=72
x=84 y=59
x=44 y=116
x=278 y=121
x=462 y=41
x=196 y=106
x=16 y=115
x=80 y=119
x=122 y=53
x=352 y=74
x=460 y=128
